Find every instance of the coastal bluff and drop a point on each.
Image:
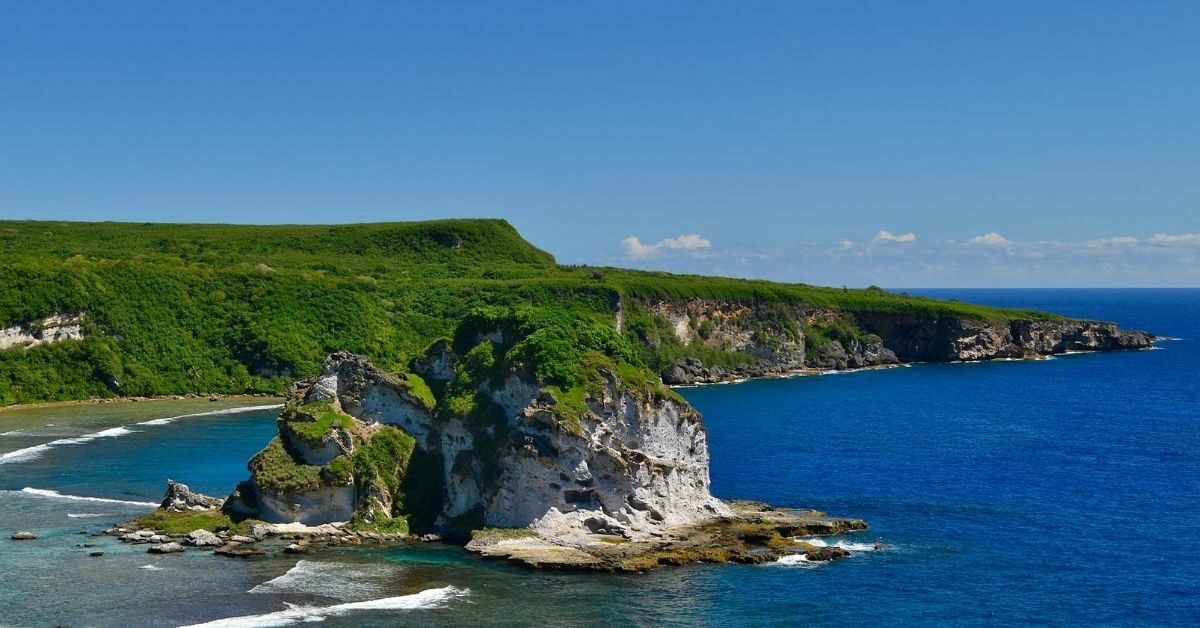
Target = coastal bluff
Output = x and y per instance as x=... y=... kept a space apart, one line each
x=623 y=487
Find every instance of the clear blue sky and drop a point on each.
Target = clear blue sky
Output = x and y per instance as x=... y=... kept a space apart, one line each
x=784 y=136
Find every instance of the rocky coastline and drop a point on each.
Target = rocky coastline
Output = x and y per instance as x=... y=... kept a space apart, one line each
x=812 y=340
x=514 y=469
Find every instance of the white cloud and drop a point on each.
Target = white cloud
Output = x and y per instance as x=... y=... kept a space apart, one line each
x=1114 y=241
x=846 y=244
x=692 y=241
x=888 y=236
x=991 y=239
x=1183 y=238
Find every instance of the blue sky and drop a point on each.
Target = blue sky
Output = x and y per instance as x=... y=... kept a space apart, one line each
x=1019 y=143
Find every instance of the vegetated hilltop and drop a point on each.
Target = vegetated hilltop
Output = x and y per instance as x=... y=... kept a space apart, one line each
x=117 y=309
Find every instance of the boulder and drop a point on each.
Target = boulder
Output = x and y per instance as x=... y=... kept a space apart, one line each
x=203 y=538
x=24 y=535
x=180 y=497
x=165 y=548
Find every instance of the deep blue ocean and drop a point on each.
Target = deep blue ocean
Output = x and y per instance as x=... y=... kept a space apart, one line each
x=1063 y=491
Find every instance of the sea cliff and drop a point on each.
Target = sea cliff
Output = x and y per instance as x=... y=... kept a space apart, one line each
x=723 y=340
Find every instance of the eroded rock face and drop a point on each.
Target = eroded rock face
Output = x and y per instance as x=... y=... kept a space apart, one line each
x=53 y=328
x=633 y=464
x=637 y=466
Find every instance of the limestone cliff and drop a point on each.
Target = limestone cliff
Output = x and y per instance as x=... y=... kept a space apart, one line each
x=721 y=339
x=53 y=328
x=634 y=463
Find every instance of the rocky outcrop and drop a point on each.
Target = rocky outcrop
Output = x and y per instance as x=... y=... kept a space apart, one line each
x=766 y=339
x=750 y=533
x=633 y=464
x=180 y=497
x=53 y=328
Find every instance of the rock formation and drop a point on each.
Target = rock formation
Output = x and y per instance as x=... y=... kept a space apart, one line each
x=634 y=464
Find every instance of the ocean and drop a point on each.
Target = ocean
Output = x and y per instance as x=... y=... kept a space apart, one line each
x=1062 y=491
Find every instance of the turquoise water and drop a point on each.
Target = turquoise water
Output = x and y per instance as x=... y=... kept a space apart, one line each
x=1064 y=491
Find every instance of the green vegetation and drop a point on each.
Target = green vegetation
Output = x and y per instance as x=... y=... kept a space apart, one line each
x=176 y=309
x=323 y=417
x=420 y=389
x=182 y=522
x=275 y=468
x=185 y=521
x=503 y=533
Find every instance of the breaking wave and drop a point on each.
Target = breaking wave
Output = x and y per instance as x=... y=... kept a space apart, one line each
x=797 y=560
x=36 y=450
x=237 y=410
x=429 y=598
x=846 y=545
x=49 y=494
x=344 y=581
x=30 y=453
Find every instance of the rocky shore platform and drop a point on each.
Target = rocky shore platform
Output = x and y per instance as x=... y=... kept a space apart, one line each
x=754 y=533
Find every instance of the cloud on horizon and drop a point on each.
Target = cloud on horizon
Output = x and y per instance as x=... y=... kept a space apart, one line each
x=986 y=260
x=887 y=236
x=636 y=249
x=990 y=239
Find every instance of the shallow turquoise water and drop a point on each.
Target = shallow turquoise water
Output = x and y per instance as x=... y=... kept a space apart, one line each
x=1064 y=491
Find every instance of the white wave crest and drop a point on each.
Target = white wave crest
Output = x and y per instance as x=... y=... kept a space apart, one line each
x=24 y=454
x=849 y=546
x=86 y=515
x=10 y=433
x=798 y=560
x=344 y=581
x=429 y=598
x=238 y=410
x=151 y=568
x=36 y=450
x=49 y=494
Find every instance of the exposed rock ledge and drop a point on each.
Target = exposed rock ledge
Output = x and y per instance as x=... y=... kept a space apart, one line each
x=752 y=533
x=51 y=329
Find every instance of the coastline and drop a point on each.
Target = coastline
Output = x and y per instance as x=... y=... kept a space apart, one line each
x=735 y=378
x=16 y=407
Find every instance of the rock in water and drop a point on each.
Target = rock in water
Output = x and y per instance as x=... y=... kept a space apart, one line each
x=24 y=535
x=180 y=497
x=237 y=550
x=165 y=548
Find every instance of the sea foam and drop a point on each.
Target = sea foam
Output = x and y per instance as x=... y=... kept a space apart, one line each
x=846 y=545
x=429 y=598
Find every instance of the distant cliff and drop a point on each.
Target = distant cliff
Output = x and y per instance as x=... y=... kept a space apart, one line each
x=719 y=340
